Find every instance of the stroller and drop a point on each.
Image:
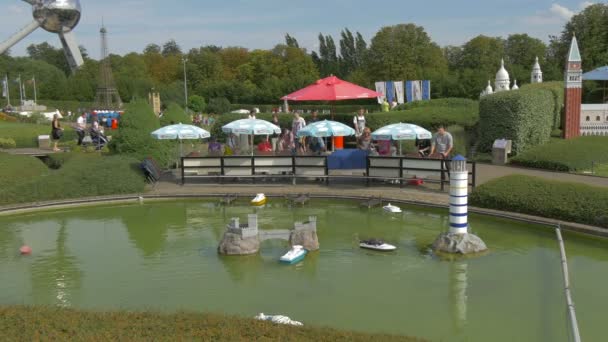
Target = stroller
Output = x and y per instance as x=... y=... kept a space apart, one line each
x=98 y=138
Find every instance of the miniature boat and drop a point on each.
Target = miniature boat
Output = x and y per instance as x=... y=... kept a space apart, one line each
x=259 y=199
x=279 y=319
x=377 y=245
x=295 y=254
x=391 y=208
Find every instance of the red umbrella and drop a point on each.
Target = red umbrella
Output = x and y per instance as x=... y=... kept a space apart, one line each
x=331 y=89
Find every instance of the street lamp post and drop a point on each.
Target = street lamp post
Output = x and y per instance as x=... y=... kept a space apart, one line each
x=184 y=60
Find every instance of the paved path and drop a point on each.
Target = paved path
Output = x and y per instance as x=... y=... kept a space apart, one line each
x=487 y=172
x=29 y=151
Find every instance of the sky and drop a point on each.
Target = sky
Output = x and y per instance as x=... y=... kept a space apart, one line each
x=261 y=24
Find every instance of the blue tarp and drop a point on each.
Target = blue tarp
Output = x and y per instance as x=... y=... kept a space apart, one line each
x=599 y=74
x=347 y=159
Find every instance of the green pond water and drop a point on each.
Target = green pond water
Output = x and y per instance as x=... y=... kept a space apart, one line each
x=162 y=256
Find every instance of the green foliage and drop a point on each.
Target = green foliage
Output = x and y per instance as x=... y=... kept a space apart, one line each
x=7 y=143
x=174 y=114
x=196 y=103
x=26 y=179
x=134 y=138
x=53 y=323
x=557 y=90
x=566 y=155
x=6 y=117
x=572 y=202
x=218 y=105
x=524 y=116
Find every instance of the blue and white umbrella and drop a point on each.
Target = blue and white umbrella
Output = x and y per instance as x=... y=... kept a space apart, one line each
x=326 y=128
x=180 y=131
x=251 y=127
x=401 y=131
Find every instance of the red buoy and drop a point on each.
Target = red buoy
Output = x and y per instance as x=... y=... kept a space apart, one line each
x=25 y=250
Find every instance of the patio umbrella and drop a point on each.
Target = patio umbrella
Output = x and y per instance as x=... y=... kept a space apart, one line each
x=251 y=127
x=331 y=89
x=180 y=132
x=599 y=74
x=326 y=128
x=401 y=131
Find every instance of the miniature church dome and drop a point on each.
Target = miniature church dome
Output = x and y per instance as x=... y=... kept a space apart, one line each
x=489 y=89
x=515 y=87
x=502 y=78
x=537 y=74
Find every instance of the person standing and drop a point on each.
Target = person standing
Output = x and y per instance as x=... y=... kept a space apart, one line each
x=385 y=105
x=81 y=124
x=359 y=122
x=56 y=131
x=314 y=116
x=443 y=143
x=297 y=124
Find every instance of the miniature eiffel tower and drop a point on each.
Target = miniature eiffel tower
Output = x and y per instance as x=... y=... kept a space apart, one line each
x=107 y=97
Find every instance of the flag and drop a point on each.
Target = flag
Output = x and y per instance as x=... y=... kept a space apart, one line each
x=413 y=91
x=390 y=91
x=399 y=91
x=381 y=88
x=426 y=90
x=4 y=87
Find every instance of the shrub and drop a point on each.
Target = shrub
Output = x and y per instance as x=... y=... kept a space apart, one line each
x=6 y=117
x=134 y=137
x=572 y=202
x=524 y=116
x=61 y=324
x=81 y=175
x=218 y=105
x=174 y=113
x=7 y=143
x=557 y=90
x=196 y=103
x=566 y=155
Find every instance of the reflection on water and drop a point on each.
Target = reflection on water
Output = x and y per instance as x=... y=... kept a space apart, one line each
x=163 y=256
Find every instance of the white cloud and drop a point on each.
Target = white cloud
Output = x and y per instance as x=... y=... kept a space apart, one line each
x=586 y=4
x=14 y=9
x=560 y=11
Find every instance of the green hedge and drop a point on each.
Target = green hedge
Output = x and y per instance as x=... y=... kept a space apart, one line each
x=134 y=139
x=557 y=90
x=27 y=179
x=174 y=113
x=566 y=155
x=21 y=323
x=524 y=116
x=571 y=202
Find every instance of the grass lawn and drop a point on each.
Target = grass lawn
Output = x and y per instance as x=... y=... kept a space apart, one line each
x=20 y=323
x=574 y=155
x=26 y=134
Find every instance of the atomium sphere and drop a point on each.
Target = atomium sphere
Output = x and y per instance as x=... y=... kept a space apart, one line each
x=57 y=15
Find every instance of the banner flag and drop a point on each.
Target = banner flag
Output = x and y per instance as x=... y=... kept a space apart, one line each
x=413 y=90
x=4 y=87
x=426 y=90
x=390 y=91
x=399 y=91
x=381 y=88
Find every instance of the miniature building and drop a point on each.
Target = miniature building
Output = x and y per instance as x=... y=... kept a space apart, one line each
x=244 y=230
x=594 y=119
x=537 y=73
x=154 y=99
x=311 y=224
x=503 y=82
x=573 y=93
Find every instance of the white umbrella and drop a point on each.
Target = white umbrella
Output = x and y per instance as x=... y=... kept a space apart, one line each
x=401 y=131
x=326 y=128
x=180 y=132
x=251 y=127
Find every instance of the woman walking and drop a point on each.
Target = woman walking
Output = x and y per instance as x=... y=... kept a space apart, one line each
x=56 y=131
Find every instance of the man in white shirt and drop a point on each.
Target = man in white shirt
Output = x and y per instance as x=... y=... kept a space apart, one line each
x=359 y=122
x=81 y=124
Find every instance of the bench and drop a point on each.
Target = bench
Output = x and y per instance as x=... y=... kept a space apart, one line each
x=151 y=170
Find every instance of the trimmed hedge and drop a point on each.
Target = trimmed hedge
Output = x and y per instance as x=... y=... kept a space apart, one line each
x=21 y=323
x=557 y=90
x=572 y=202
x=566 y=155
x=175 y=114
x=134 y=138
x=524 y=116
x=7 y=143
x=27 y=179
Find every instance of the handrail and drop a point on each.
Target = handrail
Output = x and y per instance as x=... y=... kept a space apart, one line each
x=569 y=301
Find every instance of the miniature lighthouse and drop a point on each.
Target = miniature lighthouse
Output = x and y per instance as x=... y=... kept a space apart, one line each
x=458 y=240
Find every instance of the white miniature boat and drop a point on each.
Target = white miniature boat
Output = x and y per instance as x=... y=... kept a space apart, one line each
x=377 y=245
x=259 y=199
x=295 y=254
x=280 y=319
x=391 y=208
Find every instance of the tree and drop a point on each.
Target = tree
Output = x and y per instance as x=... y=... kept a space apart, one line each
x=171 y=48
x=48 y=53
x=152 y=49
x=479 y=61
x=404 y=52
x=348 y=52
x=196 y=103
x=218 y=105
x=521 y=51
x=291 y=41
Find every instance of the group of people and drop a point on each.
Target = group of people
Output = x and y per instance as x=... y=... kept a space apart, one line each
x=203 y=120
x=95 y=131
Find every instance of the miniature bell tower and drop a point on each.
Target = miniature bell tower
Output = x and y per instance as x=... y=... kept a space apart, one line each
x=573 y=93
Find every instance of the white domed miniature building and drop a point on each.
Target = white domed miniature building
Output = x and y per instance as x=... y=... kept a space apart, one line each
x=488 y=90
x=503 y=81
x=537 y=74
x=515 y=87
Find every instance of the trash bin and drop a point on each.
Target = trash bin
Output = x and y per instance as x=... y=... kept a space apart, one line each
x=114 y=124
x=500 y=149
x=44 y=142
x=338 y=143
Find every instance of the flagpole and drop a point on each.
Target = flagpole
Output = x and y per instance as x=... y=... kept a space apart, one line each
x=35 y=95
x=8 y=92
x=20 y=91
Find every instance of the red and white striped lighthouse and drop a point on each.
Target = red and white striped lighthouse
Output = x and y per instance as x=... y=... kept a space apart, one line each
x=573 y=93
